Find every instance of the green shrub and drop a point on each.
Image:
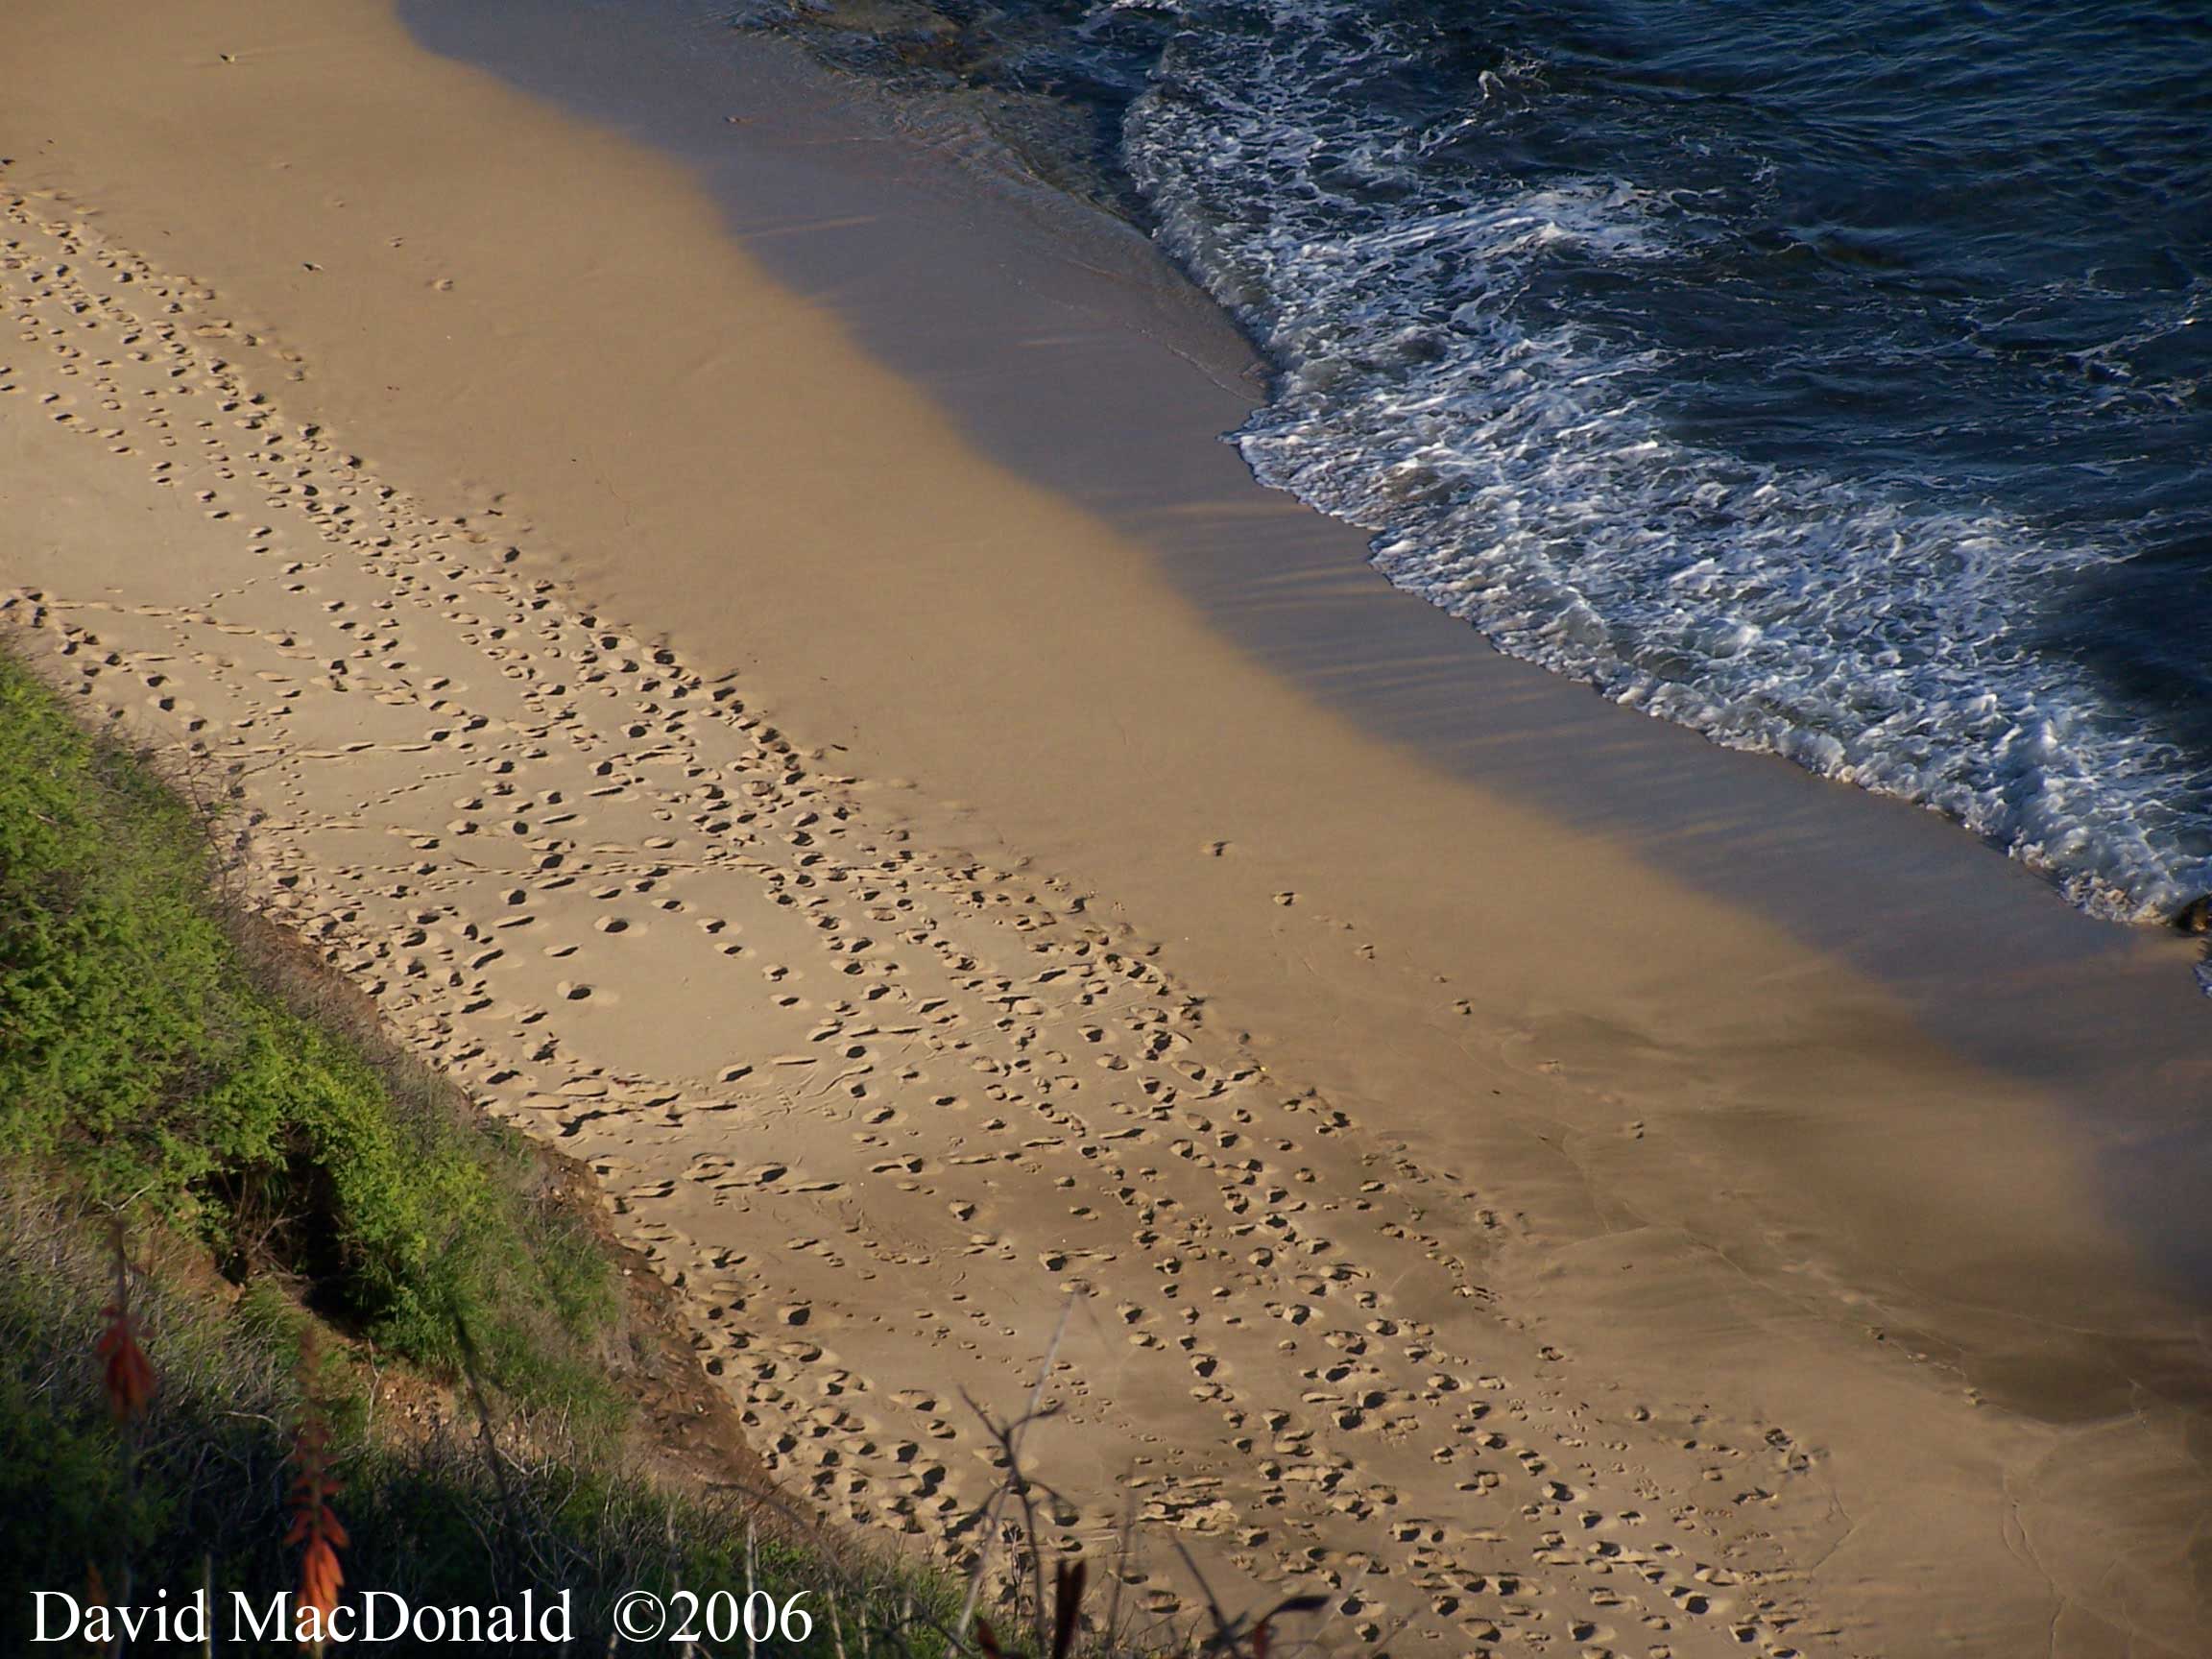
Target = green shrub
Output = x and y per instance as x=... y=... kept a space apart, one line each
x=205 y=1492
x=149 y=1061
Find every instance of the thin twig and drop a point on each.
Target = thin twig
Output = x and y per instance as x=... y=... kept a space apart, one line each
x=998 y=1500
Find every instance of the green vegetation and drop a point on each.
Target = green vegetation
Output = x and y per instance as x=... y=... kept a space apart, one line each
x=152 y=1059
x=332 y=1263
x=306 y=1209
x=433 y=1514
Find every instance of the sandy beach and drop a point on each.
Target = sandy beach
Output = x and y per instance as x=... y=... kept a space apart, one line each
x=728 y=622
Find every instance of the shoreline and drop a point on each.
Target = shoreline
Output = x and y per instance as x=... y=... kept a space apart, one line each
x=856 y=207
x=1075 y=355
x=508 y=357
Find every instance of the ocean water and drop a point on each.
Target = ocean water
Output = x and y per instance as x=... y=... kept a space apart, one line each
x=1833 y=379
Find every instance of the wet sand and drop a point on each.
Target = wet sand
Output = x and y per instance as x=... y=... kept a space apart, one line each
x=1505 y=1140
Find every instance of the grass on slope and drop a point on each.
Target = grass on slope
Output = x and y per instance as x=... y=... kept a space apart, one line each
x=302 y=1204
x=147 y=1062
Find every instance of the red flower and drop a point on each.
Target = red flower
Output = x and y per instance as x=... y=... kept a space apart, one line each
x=315 y=1524
x=125 y=1370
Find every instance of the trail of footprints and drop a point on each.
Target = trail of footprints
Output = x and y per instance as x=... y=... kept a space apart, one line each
x=889 y=1066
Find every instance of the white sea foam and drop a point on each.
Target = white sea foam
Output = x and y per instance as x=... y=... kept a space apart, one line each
x=1514 y=479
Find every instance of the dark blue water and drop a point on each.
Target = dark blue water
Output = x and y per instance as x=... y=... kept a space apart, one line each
x=1833 y=376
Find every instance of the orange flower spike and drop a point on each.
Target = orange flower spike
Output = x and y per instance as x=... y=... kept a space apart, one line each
x=314 y=1522
x=321 y=1577
x=318 y=1525
x=124 y=1372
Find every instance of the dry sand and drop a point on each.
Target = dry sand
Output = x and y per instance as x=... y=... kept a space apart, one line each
x=1536 y=1273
